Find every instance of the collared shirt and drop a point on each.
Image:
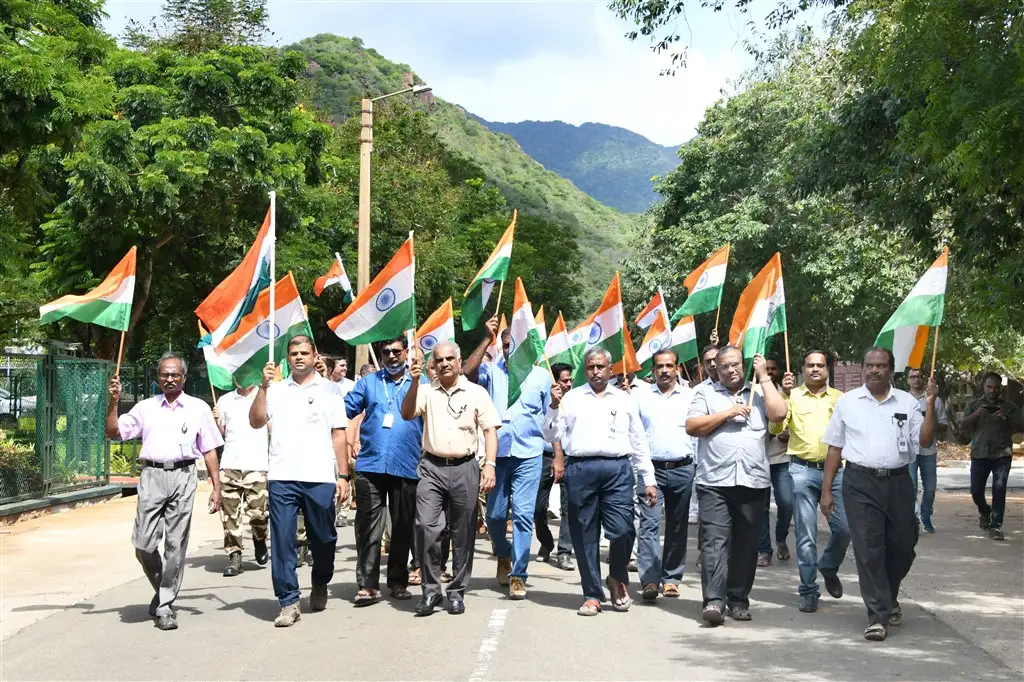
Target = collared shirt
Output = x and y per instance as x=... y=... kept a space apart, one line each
x=606 y=425
x=451 y=418
x=807 y=416
x=734 y=454
x=520 y=434
x=171 y=432
x=345 y=385
x=940 y=418
x=664 y=419
x=870 y=434
x=245 y=448
x=302 y=418
x=993 y=435
x=394 y=450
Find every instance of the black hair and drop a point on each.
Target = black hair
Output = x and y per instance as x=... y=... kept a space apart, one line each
x=880 y=349
x=707 y=348
x=992 y=375
x=815 y=351
x=403 y=339
x=330 y=363
x=298 y=340
x=559 y=367
x=663 y=351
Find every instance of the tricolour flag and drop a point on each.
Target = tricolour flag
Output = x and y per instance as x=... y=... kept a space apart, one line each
x=525 y=346
x=495 y=350
x=335 y=275
x=234 y=298
x=385 y=309
x=705 y=285
x=440 y=326
x=684 y=340
x=557 y=348
x=542 y=328
x=771 y=274
x=906 y=332
x=108 y=305
x=658 y=336
x=607 y=329
x=649 y=314
x=244 y=351
x=219 y=375
x=751 y=323
x=494 y=269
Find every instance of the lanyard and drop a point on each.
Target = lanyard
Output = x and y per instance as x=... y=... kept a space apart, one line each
x=398 y=389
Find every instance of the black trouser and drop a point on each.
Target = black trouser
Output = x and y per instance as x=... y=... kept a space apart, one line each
x=1000 y=471
x=455 y=484
x=376 y=495
x=883 y=530
x=731 y=520
x=540 y=513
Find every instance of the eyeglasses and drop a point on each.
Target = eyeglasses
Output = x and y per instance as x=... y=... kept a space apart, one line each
x=452 y=411
x=391 y=351
x=731 y=365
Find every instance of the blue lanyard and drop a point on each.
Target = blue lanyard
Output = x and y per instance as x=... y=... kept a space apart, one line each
x=398 y=390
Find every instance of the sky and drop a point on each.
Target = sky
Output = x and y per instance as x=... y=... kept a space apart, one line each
x=516 y=60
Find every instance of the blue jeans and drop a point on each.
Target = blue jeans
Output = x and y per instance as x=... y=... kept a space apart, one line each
x=516 y=480
x=316 y=500
x=782 y=484
x=806 y=496
x=664 y=566
x=926 y=465
x=600 y=497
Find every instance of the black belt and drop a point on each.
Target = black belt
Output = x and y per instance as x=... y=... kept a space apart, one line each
x=880 y=473
x=167 y=466
x=448 y=461
x=672 y=464
x=820 y=466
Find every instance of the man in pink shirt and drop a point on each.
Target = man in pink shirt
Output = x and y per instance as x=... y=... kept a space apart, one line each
x=176 y=430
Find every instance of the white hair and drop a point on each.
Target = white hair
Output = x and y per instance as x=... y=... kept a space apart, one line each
x=597 y=349
x=173 y=356
x=458 y=351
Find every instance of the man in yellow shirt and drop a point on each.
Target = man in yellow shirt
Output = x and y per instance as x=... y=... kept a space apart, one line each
x=810 y=409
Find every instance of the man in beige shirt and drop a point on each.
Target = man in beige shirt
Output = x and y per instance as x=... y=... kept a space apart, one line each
x=453 y=409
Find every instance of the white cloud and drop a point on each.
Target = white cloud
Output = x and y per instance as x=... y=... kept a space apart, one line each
x=613 y=81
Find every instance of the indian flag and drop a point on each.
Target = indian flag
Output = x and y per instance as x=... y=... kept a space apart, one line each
x=108 y=305
x=649 y=314
x=385 y=309
x=771 y=274
x=705 y=285
x=495 y=349
x=245 y=351
x=558 y=347
x=525 y=346
x=542 y=328
x=658 y=337
x=751 y=323
x=219 y=376
x=906 y=332
x=684 y=340
x=607 y=329
x=440 y=326
x=335 y=275
x=495 y=269
x=234 y=298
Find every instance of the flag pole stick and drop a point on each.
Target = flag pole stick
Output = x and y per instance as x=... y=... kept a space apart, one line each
x=120 y=350
x=501 y=290
x=213 y=393
x=700 y=369
x=935 y=349
x=686 y=371
x=718 y=311
x=785 y=340
x=273 y=279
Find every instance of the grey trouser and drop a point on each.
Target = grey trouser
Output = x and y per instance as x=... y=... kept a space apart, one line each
x=164 y=511
x=457 y=485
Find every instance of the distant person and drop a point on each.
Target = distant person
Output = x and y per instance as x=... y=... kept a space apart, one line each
x=176 y=430
x=782 y=486
x=552 y=473
x=365 y=369
x=991 y=421
x=925 y=465
x=340 y=376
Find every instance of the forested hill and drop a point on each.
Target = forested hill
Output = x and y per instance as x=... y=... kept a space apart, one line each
x=342 y=70
x=611 y=164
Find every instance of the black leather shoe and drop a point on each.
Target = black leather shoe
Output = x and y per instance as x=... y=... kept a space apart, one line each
x=262 y=555
x=234 y=566
x=426 y=605
x=456 y=606
x=832 y=583
x=167 y=622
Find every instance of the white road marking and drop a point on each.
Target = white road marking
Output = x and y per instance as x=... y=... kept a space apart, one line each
x=489 y=645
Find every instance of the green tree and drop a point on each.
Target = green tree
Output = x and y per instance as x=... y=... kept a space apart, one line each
x=197 y=26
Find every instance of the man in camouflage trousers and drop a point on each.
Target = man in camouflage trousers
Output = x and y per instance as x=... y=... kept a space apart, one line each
x=243 y=472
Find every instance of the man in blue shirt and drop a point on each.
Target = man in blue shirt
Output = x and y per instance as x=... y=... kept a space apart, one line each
x=518 y=466
x=385 y=472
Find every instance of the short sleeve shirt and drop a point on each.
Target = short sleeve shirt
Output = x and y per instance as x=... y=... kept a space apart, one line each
x=881 y=434
x=451 y=417
x=245 y=448
x=735 y=453
x=171 y=432
x=302 y=419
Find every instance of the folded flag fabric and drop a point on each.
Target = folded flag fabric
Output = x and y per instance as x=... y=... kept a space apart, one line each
x=751 y=323
x=494 y=269
x=558 y=346
x=108 y=305
x=386 y=309
x=542 y=329
x=771 y=274
x=658 y=337
x=440 y=326
x=525 y=346
x=705 y=285
x=220 y=376
x=648 y=315
x=606 y=328
x=336 y=275
x=906 y=332
x=684 y=340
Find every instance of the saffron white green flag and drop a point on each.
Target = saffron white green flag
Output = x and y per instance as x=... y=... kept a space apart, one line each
x=769 y=282
x=494 y=269
x=525 y=345
x=607 y=329
x=906 y=332
x=558 y=347
x=386 y=309
x=658 y=337
x=649 y=314
x=684 y=340
x=705 y=285
x=108 y=305
x=440 y=326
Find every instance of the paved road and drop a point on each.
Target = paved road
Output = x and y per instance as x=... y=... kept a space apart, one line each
x=962 y=605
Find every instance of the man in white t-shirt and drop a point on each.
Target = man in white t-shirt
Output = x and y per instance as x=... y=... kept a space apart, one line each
x=243 y=475
x=340 y=376
x=307 y=440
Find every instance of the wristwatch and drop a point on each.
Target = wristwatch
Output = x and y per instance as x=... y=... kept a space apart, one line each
x=344 y=477
x=491 y=464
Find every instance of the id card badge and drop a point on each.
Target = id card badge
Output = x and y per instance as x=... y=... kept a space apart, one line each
x=389 y=419
x=903 y=445
x=184 y=445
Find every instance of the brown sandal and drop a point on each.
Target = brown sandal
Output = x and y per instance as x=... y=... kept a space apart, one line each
x=365 y=597
x=591 y=607
x=414 y=577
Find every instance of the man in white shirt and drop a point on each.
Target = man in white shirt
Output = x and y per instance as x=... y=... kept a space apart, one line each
x=340 y=376
x=243 y=477
x=307 y=440
x=878 y=430
x=663 y=409
x=600 y=430
x=924 y=465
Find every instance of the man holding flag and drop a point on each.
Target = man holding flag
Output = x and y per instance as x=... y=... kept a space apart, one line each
x=520 y=392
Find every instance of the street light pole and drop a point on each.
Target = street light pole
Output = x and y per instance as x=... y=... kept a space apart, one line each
x=365 y=150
